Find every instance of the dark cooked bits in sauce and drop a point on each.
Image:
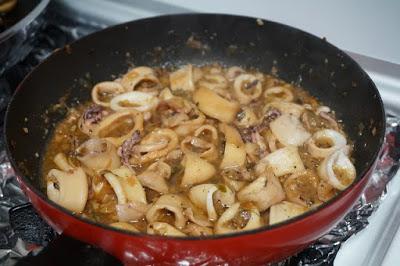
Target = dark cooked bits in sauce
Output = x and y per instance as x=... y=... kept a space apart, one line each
x=159 y=157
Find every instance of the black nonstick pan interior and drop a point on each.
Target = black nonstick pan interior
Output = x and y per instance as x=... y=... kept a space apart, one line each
x=298 y=57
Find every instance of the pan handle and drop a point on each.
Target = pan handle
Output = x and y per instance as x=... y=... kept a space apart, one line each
x=29 y=226
x=49 y=248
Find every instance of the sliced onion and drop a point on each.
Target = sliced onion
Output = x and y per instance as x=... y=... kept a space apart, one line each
x=117 y=187
x=212 y=213
x=198 y=219
x=284 y=210
x=132 y=211
x=137 y=100
x=324 y=109
x=289 y=130
x=154 y=177
x=338 y=161
x=334 y=138
x=202 y=197
x=263 y=192
x=285 y=108
x=284 y=161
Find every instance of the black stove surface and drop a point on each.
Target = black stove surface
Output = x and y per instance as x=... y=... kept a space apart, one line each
x=48 y=248
x=56 y=32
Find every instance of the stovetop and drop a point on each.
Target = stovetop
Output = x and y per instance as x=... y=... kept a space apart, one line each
x=26 y=230
x=24 y=233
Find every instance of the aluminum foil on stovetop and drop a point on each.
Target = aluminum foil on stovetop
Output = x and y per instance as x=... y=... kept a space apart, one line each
x=56 y=32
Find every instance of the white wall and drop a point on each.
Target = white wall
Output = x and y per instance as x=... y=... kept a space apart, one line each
x=369 y=27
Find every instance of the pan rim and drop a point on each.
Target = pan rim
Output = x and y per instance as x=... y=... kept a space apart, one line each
x=264 y=229
x=32 y=15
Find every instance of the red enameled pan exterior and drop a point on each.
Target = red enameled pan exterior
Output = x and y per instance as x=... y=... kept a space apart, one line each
x=249 y=249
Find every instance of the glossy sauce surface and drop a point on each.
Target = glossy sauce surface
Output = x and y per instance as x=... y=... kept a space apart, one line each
x=212 y=154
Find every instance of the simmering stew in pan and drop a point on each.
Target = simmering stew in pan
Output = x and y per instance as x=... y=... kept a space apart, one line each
x=196 y=151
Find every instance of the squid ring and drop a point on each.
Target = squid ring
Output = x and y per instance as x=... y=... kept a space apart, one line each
x=207 y=150
x=222 y=225
x=207 y=128
x=247 y=88
x=165 y=136
x=68 y=188
x=233 y=72
x=203 y=197
x=330 y=140
x=134 y=100
x=103 y=92
x=337 y=170
x=137 y=75
x=280 y=93
x=98 y=154
x=215 y=82
x=111 y=122
x=172 y=203
x=186 y=127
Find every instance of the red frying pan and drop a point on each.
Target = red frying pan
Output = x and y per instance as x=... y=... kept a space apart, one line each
x=327 y=72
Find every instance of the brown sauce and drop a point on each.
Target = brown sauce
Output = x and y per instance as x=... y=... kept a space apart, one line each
x=102 y=199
